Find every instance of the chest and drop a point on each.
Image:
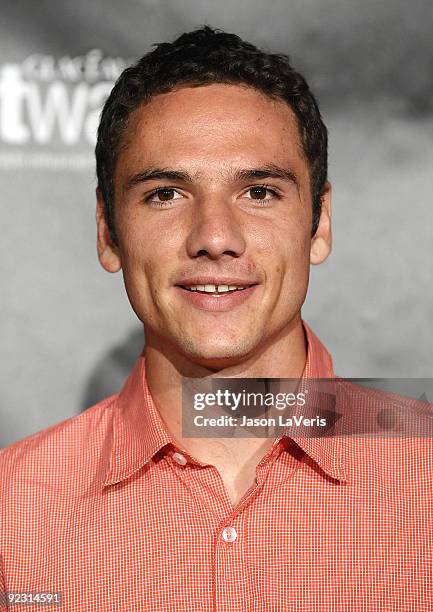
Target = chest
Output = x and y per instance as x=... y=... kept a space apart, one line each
x=157 y=542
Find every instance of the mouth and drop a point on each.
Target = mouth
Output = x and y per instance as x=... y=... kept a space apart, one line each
x=216 y=297
x=215 y=290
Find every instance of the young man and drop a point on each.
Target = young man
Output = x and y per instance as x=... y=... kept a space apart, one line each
x=213 y=200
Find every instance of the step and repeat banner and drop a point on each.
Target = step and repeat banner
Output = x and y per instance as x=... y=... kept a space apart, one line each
x=50 y=107
x=68 y=334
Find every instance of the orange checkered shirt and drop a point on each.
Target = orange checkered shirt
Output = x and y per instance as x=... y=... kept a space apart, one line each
x=106 y=510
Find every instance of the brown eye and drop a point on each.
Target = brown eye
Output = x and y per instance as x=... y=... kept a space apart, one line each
x=165 y=194
x=162 y=196
x=258 y=193
x=262 y=195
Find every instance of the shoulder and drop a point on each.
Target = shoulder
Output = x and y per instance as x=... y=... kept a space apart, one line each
x=388 y=436
x=59 y=454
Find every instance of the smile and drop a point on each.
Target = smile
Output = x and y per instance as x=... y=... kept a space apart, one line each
x=216 y=298
x=215 y=289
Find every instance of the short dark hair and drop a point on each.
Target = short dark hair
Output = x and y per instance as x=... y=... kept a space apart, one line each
x=202 y=57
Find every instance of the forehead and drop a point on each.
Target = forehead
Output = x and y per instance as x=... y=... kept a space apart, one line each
x=211 y=125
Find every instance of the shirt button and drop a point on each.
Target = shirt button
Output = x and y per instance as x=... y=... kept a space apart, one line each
x=229 y=534
x=179 y=458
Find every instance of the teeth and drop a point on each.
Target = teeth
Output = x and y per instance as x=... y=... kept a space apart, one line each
x=215 y=288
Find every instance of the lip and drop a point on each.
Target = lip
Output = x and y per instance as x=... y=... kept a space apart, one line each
x=213 y=280
x=220 y=303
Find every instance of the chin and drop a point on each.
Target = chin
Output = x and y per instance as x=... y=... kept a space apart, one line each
x=216 y=354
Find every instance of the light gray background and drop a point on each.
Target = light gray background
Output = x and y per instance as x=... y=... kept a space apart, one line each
x=68 y=334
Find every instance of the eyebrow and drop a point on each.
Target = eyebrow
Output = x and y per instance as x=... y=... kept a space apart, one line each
x=238 y=175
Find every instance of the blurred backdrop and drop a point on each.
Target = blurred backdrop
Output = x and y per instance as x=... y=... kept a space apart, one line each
x=68 y=334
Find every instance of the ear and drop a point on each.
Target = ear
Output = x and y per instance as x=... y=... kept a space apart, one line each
x=108 y=252
x=321 y=242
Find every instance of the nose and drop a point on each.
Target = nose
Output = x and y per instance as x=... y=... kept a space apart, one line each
x=215 y=229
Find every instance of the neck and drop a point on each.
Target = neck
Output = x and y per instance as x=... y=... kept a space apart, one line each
x=283 y=357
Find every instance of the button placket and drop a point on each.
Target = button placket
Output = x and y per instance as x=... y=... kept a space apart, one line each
x=230 y=586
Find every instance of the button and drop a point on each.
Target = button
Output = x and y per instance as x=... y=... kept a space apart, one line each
x=179 y=458
x=229 y=534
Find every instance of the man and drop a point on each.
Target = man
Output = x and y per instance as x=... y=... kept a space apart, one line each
x=213 y=200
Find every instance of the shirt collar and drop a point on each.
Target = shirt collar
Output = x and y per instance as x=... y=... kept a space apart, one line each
x=139 y=433
x=326 y=451
x=138 y=430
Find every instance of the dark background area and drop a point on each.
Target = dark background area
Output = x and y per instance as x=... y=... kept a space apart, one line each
x=69 y=336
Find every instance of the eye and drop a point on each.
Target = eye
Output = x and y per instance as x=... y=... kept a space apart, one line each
x=258 y=193
x=161 y=197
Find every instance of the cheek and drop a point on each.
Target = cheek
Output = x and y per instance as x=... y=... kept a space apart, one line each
x=289 y=250
x=140 y=267
x=148 y=239
x=147 y=262
x=138 y=243
x=298 y=251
